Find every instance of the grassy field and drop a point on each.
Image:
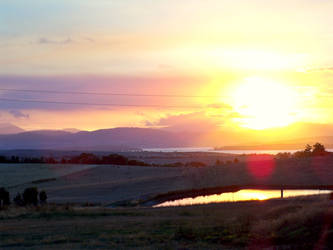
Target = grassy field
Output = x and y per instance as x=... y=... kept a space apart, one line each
x=18 y=174
x=287 y=224
x=303 y=223
x=106 y=184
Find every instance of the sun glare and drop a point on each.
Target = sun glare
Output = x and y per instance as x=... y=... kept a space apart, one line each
x=264 y=104
x=251 y=59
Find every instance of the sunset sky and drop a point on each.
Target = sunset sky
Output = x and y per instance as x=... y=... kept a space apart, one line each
x=198 y=65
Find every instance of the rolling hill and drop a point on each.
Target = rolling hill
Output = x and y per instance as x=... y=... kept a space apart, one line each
x=106 y=139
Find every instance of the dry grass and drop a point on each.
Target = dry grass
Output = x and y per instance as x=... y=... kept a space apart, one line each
x=297 y=224
x=109 y=184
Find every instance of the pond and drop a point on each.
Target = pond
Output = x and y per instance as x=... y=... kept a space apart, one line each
x=243 y=195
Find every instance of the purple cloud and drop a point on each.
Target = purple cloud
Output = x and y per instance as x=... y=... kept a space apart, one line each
x=19 y=114
x=193 y=122
x=44 y=40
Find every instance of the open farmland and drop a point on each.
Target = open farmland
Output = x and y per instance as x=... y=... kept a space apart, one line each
x=108 y=184
x=17 y=174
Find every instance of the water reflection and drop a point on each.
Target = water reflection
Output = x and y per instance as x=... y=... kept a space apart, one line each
x=241 y=195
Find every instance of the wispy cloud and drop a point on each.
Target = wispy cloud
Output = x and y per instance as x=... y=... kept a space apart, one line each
x=45 y=40
x=320 y=69
x=194 y=122
x=221 y=106
x=89 y=39
x=19 y=114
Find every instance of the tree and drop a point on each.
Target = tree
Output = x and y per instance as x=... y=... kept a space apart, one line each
x=4 y=197
x=318 y=149
x=18 y=200
x=30 y=196
x=308 y=150
x=284 y=155
x=42 y=197
x=219 y=163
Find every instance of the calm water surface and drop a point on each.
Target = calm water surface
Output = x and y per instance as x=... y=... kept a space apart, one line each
x=241 y=195
x=211 y=150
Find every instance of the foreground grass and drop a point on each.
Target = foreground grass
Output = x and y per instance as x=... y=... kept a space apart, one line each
x=288 y=224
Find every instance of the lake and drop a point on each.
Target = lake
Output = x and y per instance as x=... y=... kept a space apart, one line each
x=242 y=195
x=211 y=150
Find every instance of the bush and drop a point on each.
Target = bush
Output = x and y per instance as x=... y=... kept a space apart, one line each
x=18 y=200
x=30 y=196
x=4 y=197
x=42 y=197
x=196 y=164
x=317 y=149
x=219 y=163
x=284 y=155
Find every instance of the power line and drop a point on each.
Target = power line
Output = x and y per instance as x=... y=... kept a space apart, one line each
x=98 y=104
x=105 y=94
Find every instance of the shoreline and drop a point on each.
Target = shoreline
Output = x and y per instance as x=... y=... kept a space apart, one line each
x=192 y=193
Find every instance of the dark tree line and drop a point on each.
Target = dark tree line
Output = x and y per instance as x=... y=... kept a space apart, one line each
x=30 y=196
x=228 y=162
x=317 y=149
x=17 y=159
x=84 y=158
x=88 y=158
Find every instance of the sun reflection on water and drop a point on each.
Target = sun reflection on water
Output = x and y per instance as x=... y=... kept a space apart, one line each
x=242 y=195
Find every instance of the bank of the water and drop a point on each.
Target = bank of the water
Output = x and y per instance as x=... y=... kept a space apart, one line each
x=207 y=195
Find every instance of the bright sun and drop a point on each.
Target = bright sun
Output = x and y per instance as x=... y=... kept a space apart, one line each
x=264 y=104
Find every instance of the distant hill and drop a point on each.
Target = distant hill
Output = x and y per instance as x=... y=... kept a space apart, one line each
x=124 y=139
x=72 y=130
x=7 y=128
x=102 y=140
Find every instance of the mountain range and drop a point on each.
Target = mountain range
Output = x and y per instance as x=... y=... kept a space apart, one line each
x=105 y=139
x=122 y=139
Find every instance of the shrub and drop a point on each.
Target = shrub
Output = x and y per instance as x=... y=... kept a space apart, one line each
x=219 y=163
x=4 y=197
x=283 y=155
x=195 y=164
x=318 y=149
x=42 y=197
x=30 y=196
x=18 y=200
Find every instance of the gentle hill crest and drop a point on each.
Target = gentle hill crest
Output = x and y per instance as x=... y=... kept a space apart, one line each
x=104 y=139
x=8 y=128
